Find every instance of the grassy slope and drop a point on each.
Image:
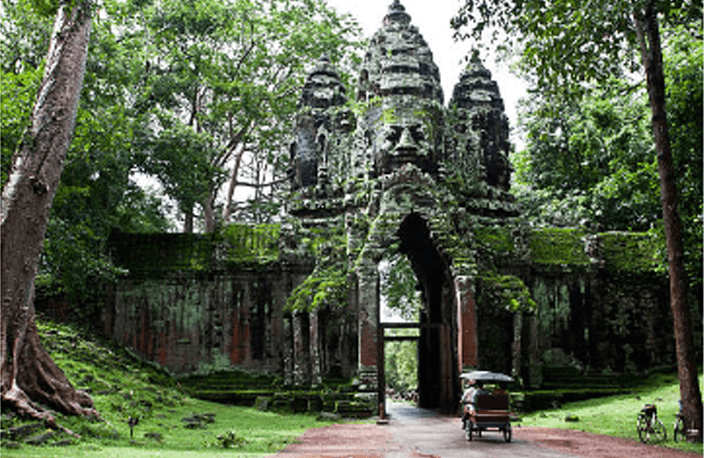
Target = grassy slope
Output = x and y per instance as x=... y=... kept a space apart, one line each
x=122 y=386
x=616 y=415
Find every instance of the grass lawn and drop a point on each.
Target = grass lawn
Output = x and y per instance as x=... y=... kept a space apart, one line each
x=171 y=424
x=616 y=415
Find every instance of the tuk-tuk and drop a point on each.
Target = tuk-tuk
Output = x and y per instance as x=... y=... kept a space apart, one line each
x=488 y=407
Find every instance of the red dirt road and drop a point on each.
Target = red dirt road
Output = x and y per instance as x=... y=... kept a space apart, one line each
x=419 y=433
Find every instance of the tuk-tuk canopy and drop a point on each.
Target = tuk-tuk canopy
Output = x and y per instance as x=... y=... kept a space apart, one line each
x=486 y=376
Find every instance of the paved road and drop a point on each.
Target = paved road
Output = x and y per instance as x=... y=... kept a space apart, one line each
x=422 y=432
x=411 y=432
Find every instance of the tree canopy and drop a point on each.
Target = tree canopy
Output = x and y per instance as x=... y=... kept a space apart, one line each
x=187 y=95
x=567 y=48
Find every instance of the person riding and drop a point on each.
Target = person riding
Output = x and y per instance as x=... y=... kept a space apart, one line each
x=468 y=395
x=480 y=390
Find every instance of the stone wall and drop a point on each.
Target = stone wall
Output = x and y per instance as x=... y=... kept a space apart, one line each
x=589 y=307
x=598 y=303
x=199 y=303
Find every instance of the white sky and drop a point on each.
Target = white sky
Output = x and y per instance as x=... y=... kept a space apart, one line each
x=432 y=17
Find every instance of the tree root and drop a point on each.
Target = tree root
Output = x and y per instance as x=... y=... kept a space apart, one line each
x=31 y=380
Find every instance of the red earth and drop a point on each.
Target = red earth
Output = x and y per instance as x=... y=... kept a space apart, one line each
x=414 y=433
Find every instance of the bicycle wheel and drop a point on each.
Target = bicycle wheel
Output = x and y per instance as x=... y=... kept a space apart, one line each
x=678 y=430
x=642 y=427
x=658 y=432
x=468 y=431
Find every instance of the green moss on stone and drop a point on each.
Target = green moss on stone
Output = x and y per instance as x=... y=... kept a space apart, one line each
x=558 y=246
x=631 y=252
x=497 y=239
x=248 y=243
x=506 y=291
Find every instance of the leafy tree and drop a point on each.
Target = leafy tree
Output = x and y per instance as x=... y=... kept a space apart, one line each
x=589 y=160
x=401 y=363
x=398 y=282
x=566 y=43
x=29 y=377
x=24 y=38
x=218 y=78
x=96 y=194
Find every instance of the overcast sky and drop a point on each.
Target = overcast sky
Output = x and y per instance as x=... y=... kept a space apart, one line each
x=432 y=17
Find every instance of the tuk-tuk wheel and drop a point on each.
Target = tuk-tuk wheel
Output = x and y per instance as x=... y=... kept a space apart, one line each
x=507 y=432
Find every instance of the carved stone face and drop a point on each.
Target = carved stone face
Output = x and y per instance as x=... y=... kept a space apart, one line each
x=401 y=143
x=404 y=136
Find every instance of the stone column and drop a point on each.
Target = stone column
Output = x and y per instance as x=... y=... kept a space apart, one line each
x=368 y=297
x=288 y=355
x=301 y=348
x=517 y=349
x=315 y=366
x=467 y=338
x=535 y=373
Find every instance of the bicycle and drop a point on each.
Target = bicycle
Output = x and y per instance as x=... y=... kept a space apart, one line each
x=678 y=430
x=650 y=427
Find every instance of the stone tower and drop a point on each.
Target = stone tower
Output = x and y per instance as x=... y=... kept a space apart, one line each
x=402 y=176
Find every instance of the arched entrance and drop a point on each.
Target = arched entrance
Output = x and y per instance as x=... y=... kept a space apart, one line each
x=438 y=337
x=436 y=352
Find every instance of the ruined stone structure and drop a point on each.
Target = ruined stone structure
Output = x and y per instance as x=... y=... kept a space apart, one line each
x=382 y=170
x=413 y=176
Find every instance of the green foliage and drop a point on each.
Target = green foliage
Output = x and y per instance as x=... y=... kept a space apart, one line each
x=558 y=246
x=24 y=39
x=590 y=160
x=684 y=61
x=249 y=242
x=323 y=287
x=633 y=252
x=398 y=286
x=497 y=239
x=564 y=44
x=506 y=291
x=401 y=362
x=326 y=286
x=215 y=88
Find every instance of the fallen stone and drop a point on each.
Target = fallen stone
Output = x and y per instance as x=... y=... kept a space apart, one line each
x=329 y=416
x=40 y=439
x=22 y=431
x=155 y=436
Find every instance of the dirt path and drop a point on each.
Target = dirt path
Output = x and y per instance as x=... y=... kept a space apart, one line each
x=413 y=432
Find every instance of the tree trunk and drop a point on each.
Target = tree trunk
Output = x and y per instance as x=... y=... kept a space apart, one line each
x=28 y=374
x=227 y=211
x=188 y=220
x=209 y=210
x=651 y=53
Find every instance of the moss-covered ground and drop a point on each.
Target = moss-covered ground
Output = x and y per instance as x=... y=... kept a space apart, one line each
x=170 y=423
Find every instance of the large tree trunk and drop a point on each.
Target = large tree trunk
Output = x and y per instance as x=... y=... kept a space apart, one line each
x=29 y=375
x=651 y=53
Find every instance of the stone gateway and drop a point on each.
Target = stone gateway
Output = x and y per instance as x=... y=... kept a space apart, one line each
x=381 y=171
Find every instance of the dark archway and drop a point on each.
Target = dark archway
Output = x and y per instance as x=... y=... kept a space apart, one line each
x=436 y=354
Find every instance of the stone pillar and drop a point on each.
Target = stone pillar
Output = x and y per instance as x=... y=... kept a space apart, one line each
x=368 y=297
x=517 y=344
x=288 y=351
x=315 y=366
x=467 y=337
x=301 y=356
x=535 y=373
